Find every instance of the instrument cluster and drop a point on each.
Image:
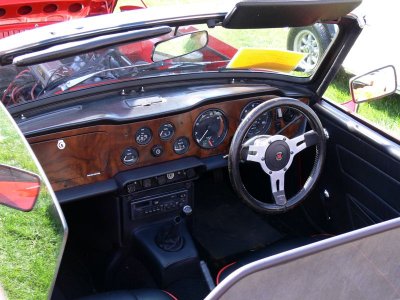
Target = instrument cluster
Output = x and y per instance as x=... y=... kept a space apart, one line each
x=209 y=131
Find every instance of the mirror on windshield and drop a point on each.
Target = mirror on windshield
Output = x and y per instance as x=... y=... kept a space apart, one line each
x=374 y=85
x=19 y=189
x=180 y=46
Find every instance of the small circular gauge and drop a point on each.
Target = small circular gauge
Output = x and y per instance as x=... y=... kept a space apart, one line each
x=210 y=128
x=143 y=136
x=181 y=145
x=129 y=156
x=157 y=150
x=261 y=124
x=289 y=114
x=166 y=131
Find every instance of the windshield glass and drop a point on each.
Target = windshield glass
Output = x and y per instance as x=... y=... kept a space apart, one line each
x=292 y=51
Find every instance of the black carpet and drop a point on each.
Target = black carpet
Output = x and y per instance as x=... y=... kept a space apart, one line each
x=224 y=226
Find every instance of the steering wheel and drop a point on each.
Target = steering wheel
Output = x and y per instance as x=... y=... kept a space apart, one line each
x=275 y=155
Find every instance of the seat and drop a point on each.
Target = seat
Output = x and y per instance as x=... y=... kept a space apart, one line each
x=138 y=294
x=275 y=248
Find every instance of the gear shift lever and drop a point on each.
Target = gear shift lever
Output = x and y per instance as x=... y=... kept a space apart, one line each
x=169 y=238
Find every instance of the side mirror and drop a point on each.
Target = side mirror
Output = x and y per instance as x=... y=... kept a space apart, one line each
x=179 y=46
x=373 y=85
x=19 y=189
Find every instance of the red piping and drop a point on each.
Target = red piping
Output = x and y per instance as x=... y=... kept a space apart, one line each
x=222 y=270
x=169 y=294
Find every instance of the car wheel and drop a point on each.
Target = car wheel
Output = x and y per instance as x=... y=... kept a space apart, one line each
x=312 y=40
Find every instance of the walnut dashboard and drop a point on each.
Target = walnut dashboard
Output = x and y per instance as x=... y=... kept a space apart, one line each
x=92 y=154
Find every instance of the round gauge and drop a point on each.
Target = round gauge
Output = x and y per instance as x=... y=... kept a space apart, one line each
x=210 y=128
x=143 y=136
x=181 y=145
x=289 y=114
x=261 y=124
x=129 y=156
x=166 y=131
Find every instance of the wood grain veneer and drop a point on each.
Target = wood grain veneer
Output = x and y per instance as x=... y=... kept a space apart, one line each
x=93 y=153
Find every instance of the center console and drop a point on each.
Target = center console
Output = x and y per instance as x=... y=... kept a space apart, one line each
x=155 y=213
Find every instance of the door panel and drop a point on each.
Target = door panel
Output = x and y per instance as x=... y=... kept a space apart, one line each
x=364 y=166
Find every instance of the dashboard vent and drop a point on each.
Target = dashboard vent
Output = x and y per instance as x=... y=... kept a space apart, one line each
x=148 y=101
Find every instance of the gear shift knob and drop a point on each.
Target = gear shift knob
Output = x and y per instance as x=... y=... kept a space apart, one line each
x=187 y=210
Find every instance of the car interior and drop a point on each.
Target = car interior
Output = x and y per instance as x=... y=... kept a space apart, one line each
x=167 y=189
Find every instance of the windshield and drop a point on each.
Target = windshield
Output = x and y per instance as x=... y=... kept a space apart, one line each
x=292 y=51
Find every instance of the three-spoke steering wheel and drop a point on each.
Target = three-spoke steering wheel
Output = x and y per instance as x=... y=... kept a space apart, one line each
x=275 y=155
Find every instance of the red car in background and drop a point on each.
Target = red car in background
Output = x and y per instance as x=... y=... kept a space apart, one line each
x=21 y=15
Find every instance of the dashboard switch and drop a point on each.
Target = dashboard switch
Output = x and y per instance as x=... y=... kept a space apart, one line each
x=161 y=180
x=147 y=183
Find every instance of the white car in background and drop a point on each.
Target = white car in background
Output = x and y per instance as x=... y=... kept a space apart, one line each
x=374 y=48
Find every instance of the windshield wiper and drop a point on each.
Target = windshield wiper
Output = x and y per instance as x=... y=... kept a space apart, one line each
x=75 y=81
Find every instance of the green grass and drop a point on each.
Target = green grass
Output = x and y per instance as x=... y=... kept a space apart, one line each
x=259 y=38
x=338 y=91
x=29 y=241
x=384 y=113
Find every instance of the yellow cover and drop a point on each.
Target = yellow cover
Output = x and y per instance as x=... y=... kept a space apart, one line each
x=267 y=59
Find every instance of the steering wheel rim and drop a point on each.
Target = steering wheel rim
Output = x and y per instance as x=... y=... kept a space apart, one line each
x=280 y=147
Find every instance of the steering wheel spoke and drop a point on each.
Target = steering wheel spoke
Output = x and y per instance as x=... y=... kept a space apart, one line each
x=254 y=149
x=255 y=153
x=303 y=141
x=278 y=187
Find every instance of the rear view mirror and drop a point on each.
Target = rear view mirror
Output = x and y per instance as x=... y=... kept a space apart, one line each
x=374 y=85
x=19 y=189
x=180 y=45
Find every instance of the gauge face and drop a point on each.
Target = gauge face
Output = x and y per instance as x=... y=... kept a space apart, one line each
x=181 y=145
x=261 y=124
x=129 y=156
x=143 y=136
x=166 y=131
x=210 y=128
x=289 y=114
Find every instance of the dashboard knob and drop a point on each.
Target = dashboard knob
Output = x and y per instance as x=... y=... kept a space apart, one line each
x=157 y=150
x=187 y=210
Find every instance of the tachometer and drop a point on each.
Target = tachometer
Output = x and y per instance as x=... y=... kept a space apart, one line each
x=261 y=125
x=210 y=128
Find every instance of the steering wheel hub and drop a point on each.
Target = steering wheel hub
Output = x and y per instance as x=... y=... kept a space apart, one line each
x=277 y=155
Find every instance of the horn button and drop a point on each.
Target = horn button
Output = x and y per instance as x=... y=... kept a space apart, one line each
x=277 y=155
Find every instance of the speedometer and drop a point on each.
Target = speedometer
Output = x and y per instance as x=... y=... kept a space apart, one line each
x=210 y=128
x=261 y=124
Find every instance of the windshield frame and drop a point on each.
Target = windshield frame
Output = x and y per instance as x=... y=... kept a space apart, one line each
x=348 y=29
